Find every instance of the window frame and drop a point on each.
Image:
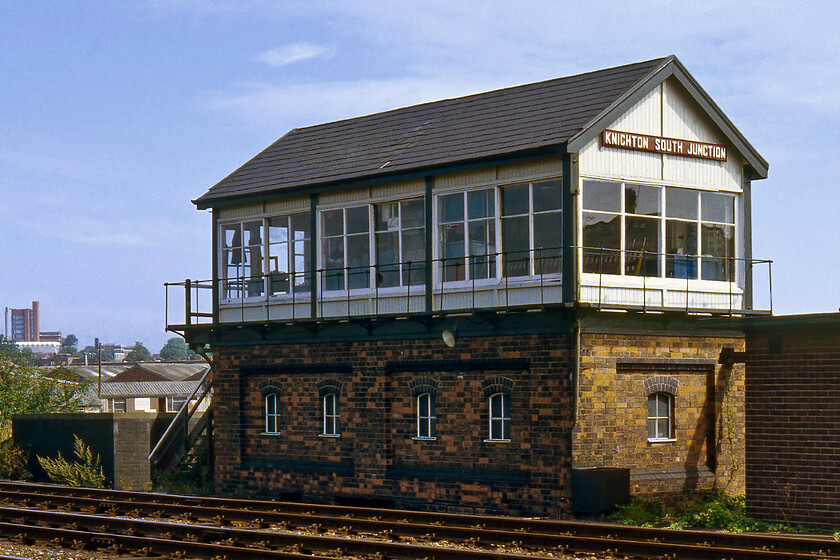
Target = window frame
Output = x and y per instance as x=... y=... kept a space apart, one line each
x=653 y=421
x=328 y=417
x=429 y=420
x=170 y=403
x=502 y=421
x=685 y=263
x=271 y=424
x=236 y=289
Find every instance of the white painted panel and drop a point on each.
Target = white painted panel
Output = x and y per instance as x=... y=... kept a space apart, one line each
x=682 y=117
x=642 y=118
x=240 y=211
x=339 y=197
x=467 y=178
x=401 y=189
x=287 y=205
x=671 y=112
x=528 y=169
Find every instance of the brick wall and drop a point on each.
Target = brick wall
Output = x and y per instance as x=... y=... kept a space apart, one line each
x=707 y=449
x=793 y=423
x=377 y=457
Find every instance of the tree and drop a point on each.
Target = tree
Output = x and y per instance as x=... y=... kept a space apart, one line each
x=139 y=353
x=70 y=341
x=176 y=350
x=93 y=355
x=28 y=389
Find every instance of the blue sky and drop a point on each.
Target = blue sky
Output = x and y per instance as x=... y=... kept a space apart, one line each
x=114 y=115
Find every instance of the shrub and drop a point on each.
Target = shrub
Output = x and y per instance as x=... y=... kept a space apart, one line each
x=86 y=472
x=643 y=512
x=13 y=462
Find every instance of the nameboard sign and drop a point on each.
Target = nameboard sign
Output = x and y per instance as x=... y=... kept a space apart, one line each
x=662 y=145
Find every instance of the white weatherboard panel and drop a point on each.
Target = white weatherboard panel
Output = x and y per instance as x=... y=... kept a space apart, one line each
x=667 y=111
x=683 y=118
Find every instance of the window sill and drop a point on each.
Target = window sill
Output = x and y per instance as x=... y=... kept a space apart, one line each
x=424 y=438
x=496 y=441
x=329 y=435
x=269 y=433
x=661 y=440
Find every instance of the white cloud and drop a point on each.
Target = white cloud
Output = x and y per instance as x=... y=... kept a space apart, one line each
x=291 y=53
x=272 y=106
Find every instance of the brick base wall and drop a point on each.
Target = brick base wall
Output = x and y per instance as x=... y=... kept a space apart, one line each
x=707 y=448
x=793 y=425
x=377 y=457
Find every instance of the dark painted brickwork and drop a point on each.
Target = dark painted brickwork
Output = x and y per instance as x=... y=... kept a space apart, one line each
x=377 y=457
x=617 y=373
x=793 y=426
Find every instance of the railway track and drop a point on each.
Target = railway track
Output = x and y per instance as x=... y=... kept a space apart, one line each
x=187 y=527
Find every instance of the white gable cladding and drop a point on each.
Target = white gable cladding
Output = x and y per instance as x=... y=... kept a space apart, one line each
x=668 y=111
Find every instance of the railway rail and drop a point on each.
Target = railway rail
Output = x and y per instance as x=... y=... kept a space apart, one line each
x=198 y=527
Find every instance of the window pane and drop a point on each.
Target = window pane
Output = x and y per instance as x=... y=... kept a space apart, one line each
x=662 y=428
x=357 y=219
x=300 y=226
x=651 y=407
x=231 y=236
x=452 y=252
x=718 y=243
x=423 y=405
x=639 y=199
x=547 y=242
x=642 y=246
x=481 y=204
x=358 y=261
x=496 y=405
x=515 y=241
x=515 y=200
x=482 y=248
x=332 y=223
x=334 y=263
x=718 y=207
x=680 y=240
x=452 y=208
x=386 y=216
x=414 y=256
x=602 y=240
x=412 y=213
x=548 y=195
x=387 y=259
x=496 y=430
x=681 y=203
x=253 y=233
x=278 y=229
x=329 y=404
x=601 y=195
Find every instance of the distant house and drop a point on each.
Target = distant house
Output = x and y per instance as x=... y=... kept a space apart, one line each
x=143 y=387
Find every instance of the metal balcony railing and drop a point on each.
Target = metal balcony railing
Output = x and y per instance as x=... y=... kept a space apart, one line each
x=500 y=280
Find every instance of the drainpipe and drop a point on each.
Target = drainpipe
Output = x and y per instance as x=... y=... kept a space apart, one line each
x=576 y=374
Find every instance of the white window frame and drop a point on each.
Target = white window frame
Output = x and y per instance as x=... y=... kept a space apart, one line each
x=112 y=405
x=531 y=215
x=400 y=230
x=272 y=418
x=660 y=415
x=663 y=219
x=228 y=295
x=170 y=403
x=429 y=421
x=503 y=420
x=330 y=420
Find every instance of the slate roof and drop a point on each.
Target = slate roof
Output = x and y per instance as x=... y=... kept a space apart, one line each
x=519 y=120
x=432 y=134
x=147 y=389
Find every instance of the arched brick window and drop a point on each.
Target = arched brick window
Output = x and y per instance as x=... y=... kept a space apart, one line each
x=661 y=392
x=425 y=402
x=498 y=390
x=330 y=389
x=270 y=390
